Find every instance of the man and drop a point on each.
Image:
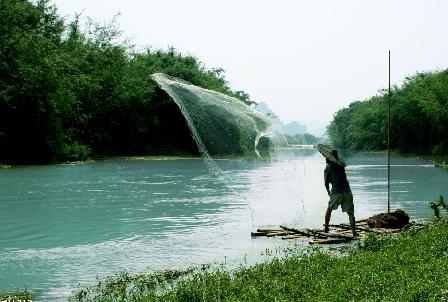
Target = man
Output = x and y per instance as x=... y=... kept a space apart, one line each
x=340 y=193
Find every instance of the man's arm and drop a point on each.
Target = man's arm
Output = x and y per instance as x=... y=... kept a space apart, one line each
x=327 y=182
x=327 y=187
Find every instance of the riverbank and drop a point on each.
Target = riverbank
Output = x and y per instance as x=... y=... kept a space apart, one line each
x=24 y=296
x=180 y=156
x=107 y=158
x=410 y=266
x=441 y=162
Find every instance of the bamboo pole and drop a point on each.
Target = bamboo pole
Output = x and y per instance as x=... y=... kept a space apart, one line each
x=388 y=147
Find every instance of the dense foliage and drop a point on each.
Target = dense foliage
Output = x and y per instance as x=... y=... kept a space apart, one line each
x=419 y=118
x=67 y=93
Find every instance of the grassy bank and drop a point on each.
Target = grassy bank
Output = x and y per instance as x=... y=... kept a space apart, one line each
x=17 y=296
x=411 y=266
x=441 y=162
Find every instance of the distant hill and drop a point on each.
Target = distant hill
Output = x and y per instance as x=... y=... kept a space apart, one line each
x=291 y=128
x=294 y=128
x=294 y=132
x=263 y=107
x=316 y=128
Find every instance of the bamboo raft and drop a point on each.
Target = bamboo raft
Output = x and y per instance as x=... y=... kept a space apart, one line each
x=338 y=233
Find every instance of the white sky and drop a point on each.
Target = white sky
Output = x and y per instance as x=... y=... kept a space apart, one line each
x=305 y=59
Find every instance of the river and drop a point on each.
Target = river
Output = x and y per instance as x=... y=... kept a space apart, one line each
x=64 y=225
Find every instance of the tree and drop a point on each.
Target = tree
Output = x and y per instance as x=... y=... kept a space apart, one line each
x=419 y=118
x=66 y=94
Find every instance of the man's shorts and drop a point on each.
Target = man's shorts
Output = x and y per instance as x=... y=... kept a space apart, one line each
x=343 y=199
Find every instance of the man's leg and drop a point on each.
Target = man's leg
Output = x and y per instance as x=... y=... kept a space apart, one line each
x=351 y=218
x=327 y=219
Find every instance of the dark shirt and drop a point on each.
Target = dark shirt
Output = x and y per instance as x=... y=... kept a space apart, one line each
x=335 y=174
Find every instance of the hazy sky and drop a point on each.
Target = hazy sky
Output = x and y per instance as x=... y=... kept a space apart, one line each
x=305 y=59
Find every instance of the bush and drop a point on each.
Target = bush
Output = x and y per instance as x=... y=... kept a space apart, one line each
x=74 y=152
x=437 y=205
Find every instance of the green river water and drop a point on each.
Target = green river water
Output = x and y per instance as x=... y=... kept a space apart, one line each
x=64 y=225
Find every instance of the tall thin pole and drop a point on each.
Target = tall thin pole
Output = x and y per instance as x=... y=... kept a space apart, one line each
x=388 y=146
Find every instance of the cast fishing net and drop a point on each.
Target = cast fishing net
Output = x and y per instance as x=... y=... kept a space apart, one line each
x=221 y=125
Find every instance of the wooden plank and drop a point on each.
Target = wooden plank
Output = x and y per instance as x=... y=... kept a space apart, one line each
x=317 y=234
x=273 y=234
x=269 y=230
x=349 y=232
x=336 y=235
x=296 y=231
x=296 y=236
x=257 y=234
x=348 y=227
x=340 y=233
x=369 y=230
x=330 y=240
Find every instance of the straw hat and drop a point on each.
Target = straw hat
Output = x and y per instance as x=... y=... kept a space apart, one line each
x=331 y=154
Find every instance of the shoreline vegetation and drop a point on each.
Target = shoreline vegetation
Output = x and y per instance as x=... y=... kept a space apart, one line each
x=179 y=156
x=438 y=161
x=419 y=119
x=70 y=90
x=23 y=296
x=441 y=162
x=409 y=266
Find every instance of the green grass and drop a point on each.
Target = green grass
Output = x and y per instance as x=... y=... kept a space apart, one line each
x=19 y=295
x=441 y=161
x=411 y=266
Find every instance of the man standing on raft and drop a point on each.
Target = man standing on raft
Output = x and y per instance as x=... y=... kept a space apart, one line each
x=340 y=193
